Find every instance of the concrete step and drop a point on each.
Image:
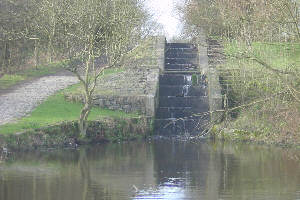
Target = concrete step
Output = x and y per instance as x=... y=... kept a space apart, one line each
x=187 y=72
x=173 y=78
x=194 y=102
x=181 y=61
x=190 y=126
x=179 y=112
x=181 y=54
x=168 y=112
x=180 y=45
x=180 y=67
x=181 y=51
x=182 y=90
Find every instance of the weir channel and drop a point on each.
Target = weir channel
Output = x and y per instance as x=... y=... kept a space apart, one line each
x=183 y=99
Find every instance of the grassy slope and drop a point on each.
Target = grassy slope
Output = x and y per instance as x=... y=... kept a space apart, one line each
x=56 y=109
x=273 y=121
x=278 y=55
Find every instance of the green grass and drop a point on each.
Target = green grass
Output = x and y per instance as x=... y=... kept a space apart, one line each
x=9 y=80
x=246 y=81
x=277 y=55
x=56 y=109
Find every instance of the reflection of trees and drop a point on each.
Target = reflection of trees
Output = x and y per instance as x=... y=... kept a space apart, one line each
x=270 y=171
x=198 y=171
x=116 y=167
x=220 y=169
x=102 y=172
x=190 y=162
x=85 y=173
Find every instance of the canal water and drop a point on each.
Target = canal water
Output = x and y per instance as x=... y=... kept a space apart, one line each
x=153 y=170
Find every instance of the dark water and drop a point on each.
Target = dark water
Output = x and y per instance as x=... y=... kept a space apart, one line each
x=156 y=170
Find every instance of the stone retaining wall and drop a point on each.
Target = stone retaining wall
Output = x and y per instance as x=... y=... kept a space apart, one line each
x=142 y=104
x=208 y=68
x=214 y=87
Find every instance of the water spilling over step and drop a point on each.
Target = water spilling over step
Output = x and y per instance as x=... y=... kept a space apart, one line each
x=183 y=101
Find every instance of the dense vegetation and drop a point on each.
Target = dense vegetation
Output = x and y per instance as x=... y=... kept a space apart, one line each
x=34 y=32
x=260 y=75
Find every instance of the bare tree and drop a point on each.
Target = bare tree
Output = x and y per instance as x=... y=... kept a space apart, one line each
x=99 y=29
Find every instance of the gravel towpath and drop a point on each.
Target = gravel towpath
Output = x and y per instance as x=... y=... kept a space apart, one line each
x=21 y=100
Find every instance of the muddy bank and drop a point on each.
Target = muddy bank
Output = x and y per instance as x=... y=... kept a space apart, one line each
x=66 y=134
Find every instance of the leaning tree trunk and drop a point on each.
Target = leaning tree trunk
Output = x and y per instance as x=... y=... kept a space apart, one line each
x=83 y=123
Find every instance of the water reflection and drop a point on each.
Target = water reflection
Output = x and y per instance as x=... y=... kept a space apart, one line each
x=158 y=170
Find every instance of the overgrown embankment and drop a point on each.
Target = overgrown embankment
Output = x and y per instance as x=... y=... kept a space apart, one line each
x=260 y=87
x=66 y=134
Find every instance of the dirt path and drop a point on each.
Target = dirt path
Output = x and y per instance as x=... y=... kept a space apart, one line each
x=21 y=100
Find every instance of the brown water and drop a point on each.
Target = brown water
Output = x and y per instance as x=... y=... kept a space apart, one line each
x=156 y=170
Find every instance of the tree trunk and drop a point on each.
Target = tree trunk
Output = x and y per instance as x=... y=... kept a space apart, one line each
x=36 y=54
x=6 y=60
x=83 y=124
x=2 y=58
x=50 y=50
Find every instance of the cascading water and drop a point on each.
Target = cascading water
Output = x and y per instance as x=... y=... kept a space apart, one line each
x=185 y=90
x=188 y=79
x=188 y=84
x=179 y=99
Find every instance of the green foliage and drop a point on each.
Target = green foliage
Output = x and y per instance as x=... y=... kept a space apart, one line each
x=248 y=21
x=194 y=79
x=260 y=73
x=9 y=80
x=245 y=80
x=279 y=55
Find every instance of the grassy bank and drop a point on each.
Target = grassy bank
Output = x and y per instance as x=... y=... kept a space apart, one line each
x=54 y=124
x=9 y=80
x=66 y=134
x=56 y=109
x=263 y=106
